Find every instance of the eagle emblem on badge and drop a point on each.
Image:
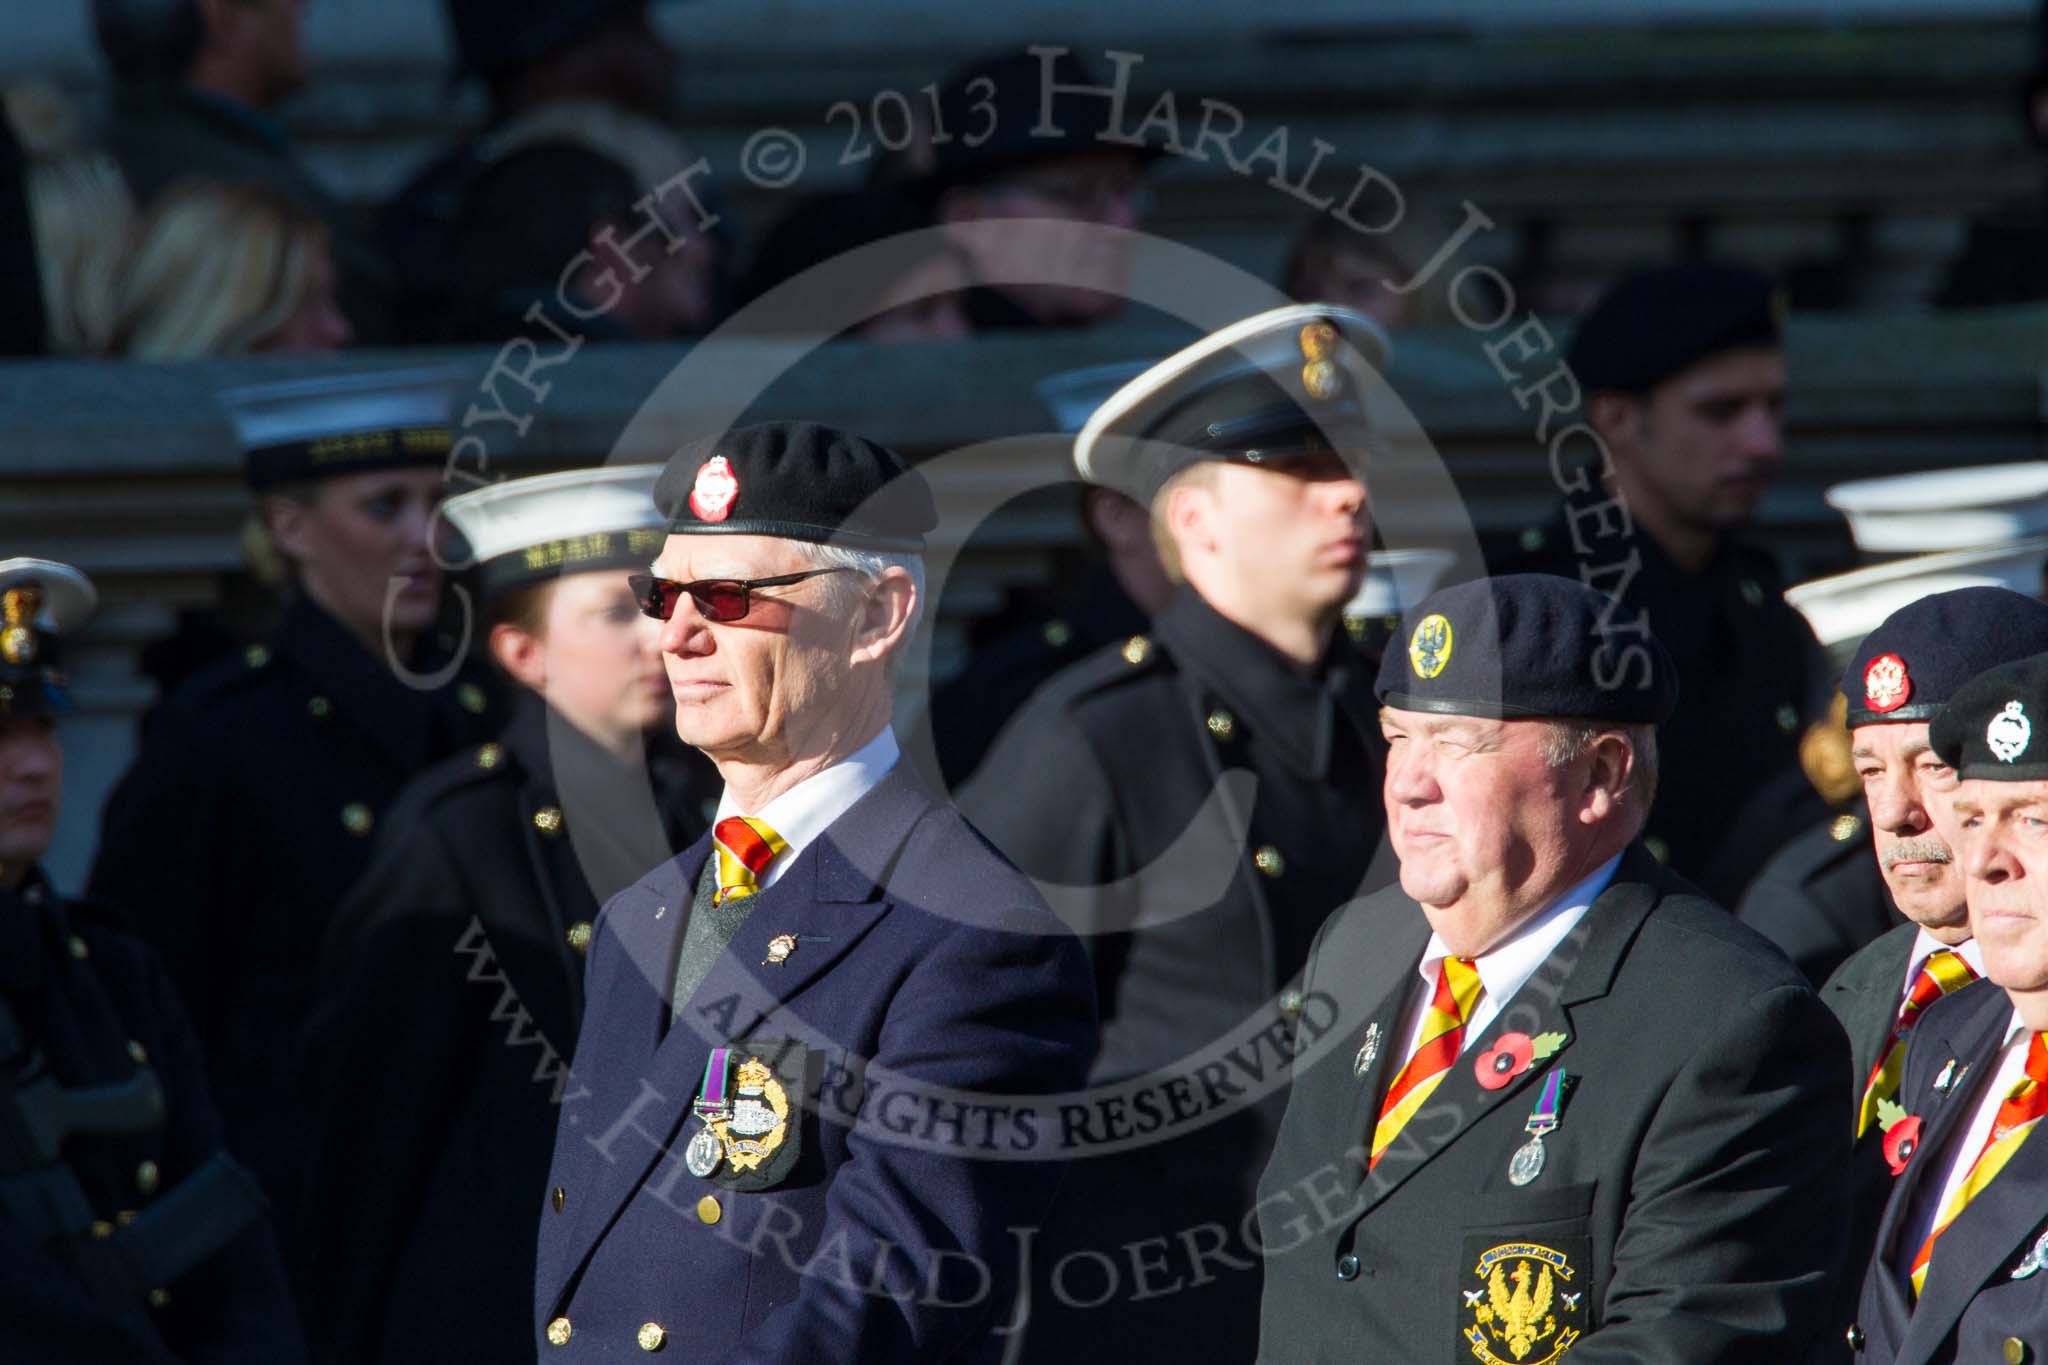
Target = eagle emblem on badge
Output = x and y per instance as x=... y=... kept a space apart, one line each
x=1429 y=648
x=2008 y=732
x=1521 y=1314
x=1886 y=684
x=712 y=496
x=759 y=1120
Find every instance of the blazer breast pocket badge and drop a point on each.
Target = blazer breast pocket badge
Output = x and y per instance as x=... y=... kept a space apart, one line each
x=1525 y=1302
x=750 y=1106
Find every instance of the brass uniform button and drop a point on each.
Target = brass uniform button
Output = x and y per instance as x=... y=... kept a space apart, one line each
x=1057 y=633
x=125 y=1217
x=653 y=1336
x=1137 y=649
x=579 y=936
x=560 y=1197
x=1845 y=828
x=558 y=1332
x=319 y=708
x=1290 y=1003
x=1533 y=539
x=102 y=1229
x=490 y=756
x=78 y=948
x=148 y=1177
x=1752 y=592
x=255 y=656
x=1788 y=719
x=708 y=1210
x=1269 y=861
x=159 y=1298
x=1222 y=724
x=471 y=698
x=2015 y=1351
x=356 y=818
x=138 y=1053
x=548 y=819
x=1855 y=1336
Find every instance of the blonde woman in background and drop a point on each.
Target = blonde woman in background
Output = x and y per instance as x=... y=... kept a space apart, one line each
x=79 y=220
x=228 y=269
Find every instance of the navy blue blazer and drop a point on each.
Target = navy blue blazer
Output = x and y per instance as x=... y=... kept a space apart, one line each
x=927 y=983
x=1979 y=1293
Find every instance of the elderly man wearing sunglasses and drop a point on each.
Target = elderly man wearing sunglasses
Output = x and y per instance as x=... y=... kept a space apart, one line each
x=743 y=1166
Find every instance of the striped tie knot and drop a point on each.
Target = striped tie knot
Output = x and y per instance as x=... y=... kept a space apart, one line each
x=1943 y=971
x=1439 y=1040
x=745 y=848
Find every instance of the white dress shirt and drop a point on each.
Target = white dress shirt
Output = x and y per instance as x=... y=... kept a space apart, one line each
x=1508 y=965
x=1988 y=1095
x=1926 y=945
x=808 y=809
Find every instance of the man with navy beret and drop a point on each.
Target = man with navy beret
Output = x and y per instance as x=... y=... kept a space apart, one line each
x=1956 y=1275
x=1569 y=1107
x=793 y=1132
x=1682 y=379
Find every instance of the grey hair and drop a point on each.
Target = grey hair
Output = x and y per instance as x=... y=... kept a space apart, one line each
x=843 y=590
x=148 y=40
x=1566 y=741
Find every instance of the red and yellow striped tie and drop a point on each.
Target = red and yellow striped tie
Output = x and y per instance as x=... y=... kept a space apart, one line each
x=1944 y=971
x=1442 y=1039
x=745 y=847
x=2024 y=1105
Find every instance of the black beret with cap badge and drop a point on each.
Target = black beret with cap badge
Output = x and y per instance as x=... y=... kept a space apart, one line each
x=799 y=481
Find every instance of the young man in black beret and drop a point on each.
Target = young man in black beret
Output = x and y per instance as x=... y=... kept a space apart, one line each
x=127 y=1233
x=1569 y=1108
x=1956 y=1272
x=1683 y=378
x=731 y=1178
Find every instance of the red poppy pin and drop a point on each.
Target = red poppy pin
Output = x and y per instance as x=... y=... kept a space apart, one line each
x=1511 y=1055
x=1901 y=1134
x=716 y=487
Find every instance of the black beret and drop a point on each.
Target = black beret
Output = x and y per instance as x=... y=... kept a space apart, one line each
x=1524 y=646
x=1912 y=664
x=996 y=117
x=800 y=481
x=1988 y=729
x=493 y=37
x=1652 y=325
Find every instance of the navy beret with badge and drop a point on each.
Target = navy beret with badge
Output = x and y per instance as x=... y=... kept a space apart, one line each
x=527 y=531
x=1652 y=325
x=300 y=430
x=799 y=481
x=1911 y=666
x=1988 y=730
x=1003 y=112
x=40 y=600
x=1528 y=646
x=1287 y=382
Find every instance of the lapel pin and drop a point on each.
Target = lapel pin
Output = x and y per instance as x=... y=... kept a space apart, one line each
x=2034 y=1259
x=1511 y=1055
x=1367 y=1050
x=782 y=945
x=1901 y=1134
x=1947 y=1079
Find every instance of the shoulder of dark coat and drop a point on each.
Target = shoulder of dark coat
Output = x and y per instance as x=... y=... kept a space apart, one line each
x=1117 y=674
x=1884 y=956
x=1694 y=939
x=471 y=773
x=948 y=871
x=1815 y=851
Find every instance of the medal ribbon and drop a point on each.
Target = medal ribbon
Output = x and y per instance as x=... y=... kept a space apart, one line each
x=1543 y=1118
x=711 y=1095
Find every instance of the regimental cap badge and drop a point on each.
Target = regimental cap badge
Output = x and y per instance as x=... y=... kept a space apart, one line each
x=1429 y=648
x=711 y=497
x=1320 y=376
x=19 y=607
x=2008 y=732
x=1886 y=684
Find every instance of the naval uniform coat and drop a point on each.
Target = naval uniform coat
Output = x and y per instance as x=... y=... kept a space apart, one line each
x=1821 y=898
x=920 y=959
x=97 y=1009
x=1865 y=994
x=1976 y=1298
x=452 y=987
x=1691 y=1205
x=246 y=816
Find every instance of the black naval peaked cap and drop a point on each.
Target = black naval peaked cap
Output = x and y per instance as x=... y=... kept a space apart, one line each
x=40 y=600
x=800 y=481
x=1528 y=646
x=1652 y=325
x=1990 y=727
x=1910 y=667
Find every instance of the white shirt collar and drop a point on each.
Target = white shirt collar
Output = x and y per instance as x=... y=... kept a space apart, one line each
x=1508 y=965
x=1926 y=945
x=808 y=809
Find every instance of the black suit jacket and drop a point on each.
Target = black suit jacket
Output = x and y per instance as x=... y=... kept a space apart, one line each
x=1690 y=1208
x=1973 y=1301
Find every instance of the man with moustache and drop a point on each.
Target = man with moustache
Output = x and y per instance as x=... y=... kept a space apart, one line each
x=1573 y=1109
x=722 y=1188
x=1956 y=1275
x=1899 y=680
x=1194 y=800
x=1683 y=378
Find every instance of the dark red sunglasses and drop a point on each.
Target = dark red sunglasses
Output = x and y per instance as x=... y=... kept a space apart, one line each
x=717 y=599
